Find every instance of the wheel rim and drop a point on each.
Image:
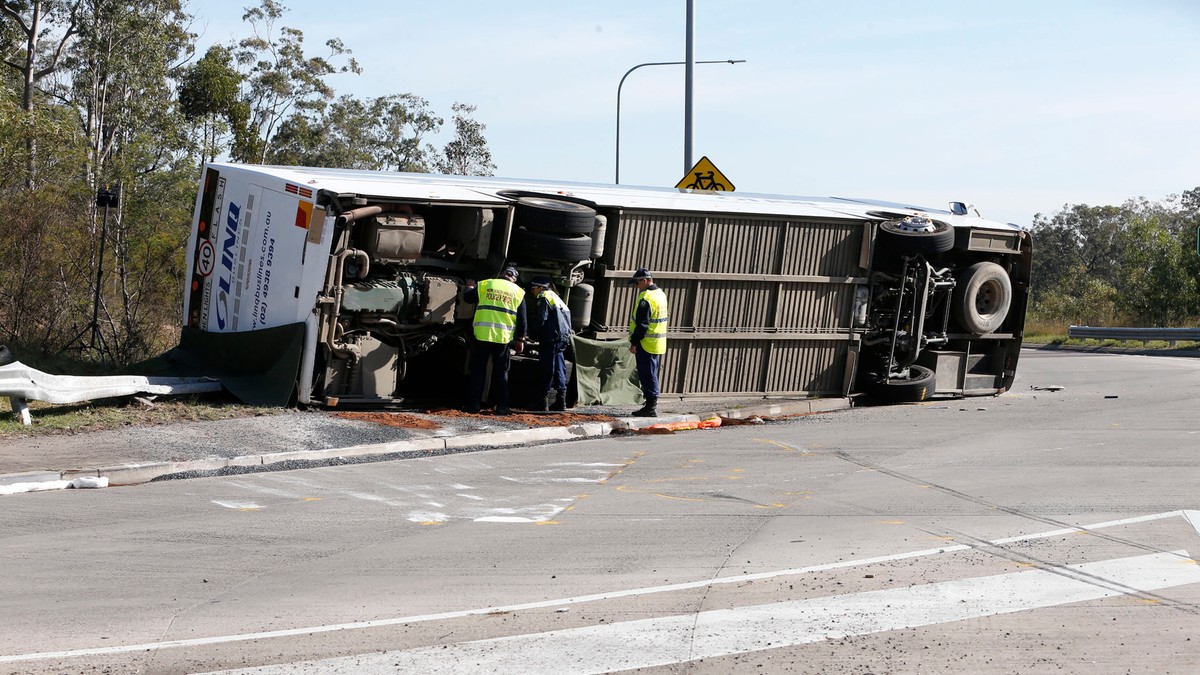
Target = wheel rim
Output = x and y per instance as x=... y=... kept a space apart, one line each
x=988 y=298
x=915 y=224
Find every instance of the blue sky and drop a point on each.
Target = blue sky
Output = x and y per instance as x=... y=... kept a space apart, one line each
x=1018 y=107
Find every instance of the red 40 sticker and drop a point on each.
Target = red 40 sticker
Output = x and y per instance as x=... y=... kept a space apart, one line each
x=206 y=258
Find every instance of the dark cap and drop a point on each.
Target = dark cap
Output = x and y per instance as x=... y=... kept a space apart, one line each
x=510 y=272
x=642 y=273
x=544 y=282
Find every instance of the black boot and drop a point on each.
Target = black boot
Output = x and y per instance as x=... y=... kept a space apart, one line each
x=560 y=401
x=648 y=410
x=543 y=403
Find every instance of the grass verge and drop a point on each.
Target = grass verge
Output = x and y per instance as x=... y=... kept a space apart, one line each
x=120 y=413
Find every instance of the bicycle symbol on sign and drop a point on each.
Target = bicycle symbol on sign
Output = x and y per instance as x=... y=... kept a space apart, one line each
x=706 y=181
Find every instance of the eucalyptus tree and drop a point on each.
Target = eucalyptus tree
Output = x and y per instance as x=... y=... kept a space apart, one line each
x=209 y=98
x=33 y=37
x=121 y=87
x=467 y=153
x=280 y=78
x=375 y=133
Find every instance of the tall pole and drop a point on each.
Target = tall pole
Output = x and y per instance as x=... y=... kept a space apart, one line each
x=690 y=59
x=95 y=324
x=617 y=163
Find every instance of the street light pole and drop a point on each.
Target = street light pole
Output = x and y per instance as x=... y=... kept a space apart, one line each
x=617 y=175
x=689 y=56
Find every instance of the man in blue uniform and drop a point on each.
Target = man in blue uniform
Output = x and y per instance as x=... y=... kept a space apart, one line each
x=553 y=325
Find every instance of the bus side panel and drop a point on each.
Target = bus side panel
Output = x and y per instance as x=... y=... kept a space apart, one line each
x=249 y=254
x=759 y=304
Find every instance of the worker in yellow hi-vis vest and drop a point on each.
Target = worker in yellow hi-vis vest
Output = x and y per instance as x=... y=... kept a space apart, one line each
x=648 y=337
x=499 y=324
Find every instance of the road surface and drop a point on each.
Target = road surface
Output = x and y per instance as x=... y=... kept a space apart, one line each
x=1040 y=531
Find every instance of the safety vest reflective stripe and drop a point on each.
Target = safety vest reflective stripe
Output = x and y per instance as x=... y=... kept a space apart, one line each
x=655 y=340
x=496 y=321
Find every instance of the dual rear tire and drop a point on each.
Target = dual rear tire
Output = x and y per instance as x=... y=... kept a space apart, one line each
x=552 y=230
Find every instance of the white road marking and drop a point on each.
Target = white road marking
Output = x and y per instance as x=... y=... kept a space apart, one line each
x=263 y=490
x=738 y=579
x=587 y=464
x=505 y=519
x=671 y=640
x=236 y=505
x=1193 y=518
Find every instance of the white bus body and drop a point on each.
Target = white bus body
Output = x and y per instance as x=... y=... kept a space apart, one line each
x=770 y=295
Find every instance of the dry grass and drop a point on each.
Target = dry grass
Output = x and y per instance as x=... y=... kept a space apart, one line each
x=119 y=414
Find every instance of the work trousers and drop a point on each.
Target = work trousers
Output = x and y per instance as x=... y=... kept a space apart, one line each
x=483 y=353
x=552 y=365
x=647 y=368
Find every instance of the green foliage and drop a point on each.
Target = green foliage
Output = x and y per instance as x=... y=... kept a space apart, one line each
x=1130 y=265
x=467 y=153
x=281 y=78
x=208 y=98
x=379 y=133
x=105 y=94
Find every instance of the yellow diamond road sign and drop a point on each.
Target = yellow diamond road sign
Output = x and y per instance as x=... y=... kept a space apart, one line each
x=705 y=176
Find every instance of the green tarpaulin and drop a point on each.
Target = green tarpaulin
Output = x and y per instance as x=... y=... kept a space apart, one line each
x=259 y=367
x=605 y=372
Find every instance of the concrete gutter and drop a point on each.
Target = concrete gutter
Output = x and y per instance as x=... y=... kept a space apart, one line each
x=133 y=474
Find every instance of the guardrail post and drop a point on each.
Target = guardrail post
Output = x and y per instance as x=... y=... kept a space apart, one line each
x=20 y=407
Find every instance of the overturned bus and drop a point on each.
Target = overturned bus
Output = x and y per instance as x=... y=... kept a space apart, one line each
x=770 y=295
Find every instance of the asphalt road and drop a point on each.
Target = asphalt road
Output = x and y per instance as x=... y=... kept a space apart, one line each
x=1040 y=531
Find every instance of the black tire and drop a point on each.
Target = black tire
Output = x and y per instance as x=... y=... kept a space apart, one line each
x=527 y=245
x=918 y=386
x=901 y=237
x=554 y=216
x=982 y=298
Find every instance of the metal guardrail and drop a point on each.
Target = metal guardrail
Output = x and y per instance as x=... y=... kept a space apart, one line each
x=20 y=383
x=1144 y=335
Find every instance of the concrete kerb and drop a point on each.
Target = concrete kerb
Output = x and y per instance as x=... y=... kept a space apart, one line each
x=133 y=474
x=29 y=477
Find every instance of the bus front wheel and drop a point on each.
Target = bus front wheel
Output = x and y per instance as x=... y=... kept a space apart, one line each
x=917 y=386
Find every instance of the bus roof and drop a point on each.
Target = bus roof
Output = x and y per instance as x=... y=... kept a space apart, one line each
x=475 y=189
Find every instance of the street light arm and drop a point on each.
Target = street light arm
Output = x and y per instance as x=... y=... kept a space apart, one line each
x=617 y=176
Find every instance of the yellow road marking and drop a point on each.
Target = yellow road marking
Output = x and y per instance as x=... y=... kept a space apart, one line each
x=682 y=499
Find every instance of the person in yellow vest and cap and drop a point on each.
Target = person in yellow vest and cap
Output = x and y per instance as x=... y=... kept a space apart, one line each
x=551 y=327
x=499 y=323
x=648 y=337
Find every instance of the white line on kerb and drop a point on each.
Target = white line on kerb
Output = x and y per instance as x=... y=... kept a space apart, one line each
x=378 y=623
